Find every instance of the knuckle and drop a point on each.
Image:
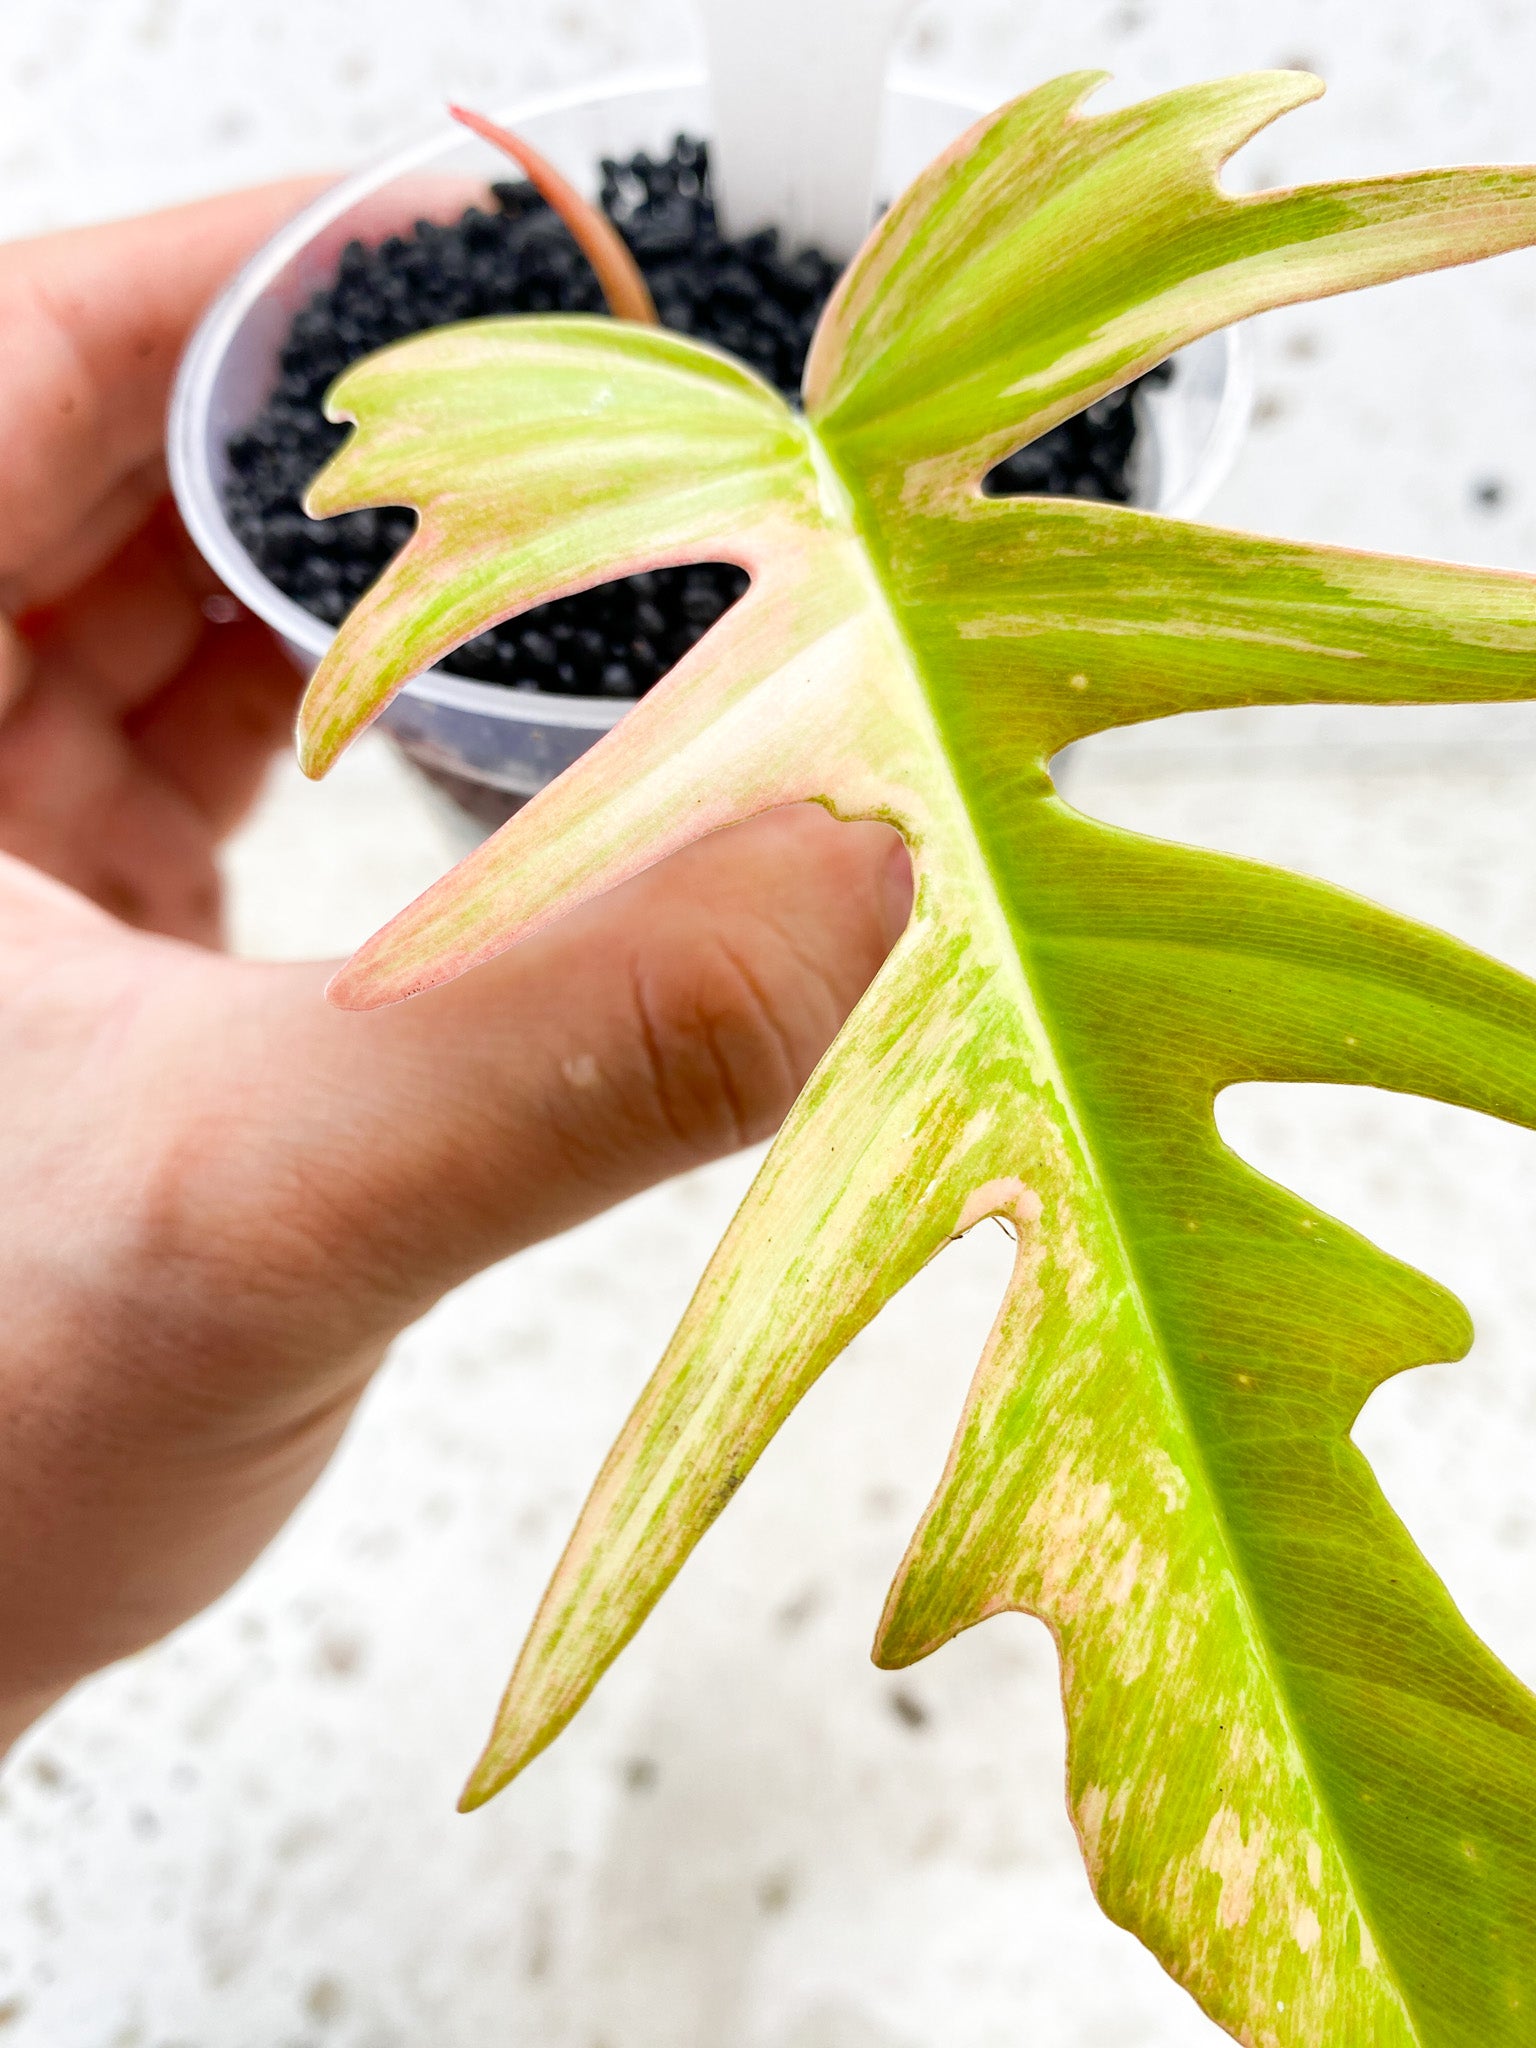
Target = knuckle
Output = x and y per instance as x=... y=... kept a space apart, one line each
x=719 y=1063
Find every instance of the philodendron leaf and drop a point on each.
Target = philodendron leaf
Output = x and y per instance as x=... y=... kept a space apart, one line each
x=1294 y=1771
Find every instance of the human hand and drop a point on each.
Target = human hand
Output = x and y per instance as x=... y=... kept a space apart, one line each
x=134 y=728
x=219 y=1199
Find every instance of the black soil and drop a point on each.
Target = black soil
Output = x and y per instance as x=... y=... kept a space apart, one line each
x=746 y=296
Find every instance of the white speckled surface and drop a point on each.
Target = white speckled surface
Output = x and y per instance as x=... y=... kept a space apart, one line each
x=752 y=1839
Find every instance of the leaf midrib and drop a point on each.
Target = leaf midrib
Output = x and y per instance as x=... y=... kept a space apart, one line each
x=1232 y=1548
x=1015 y=949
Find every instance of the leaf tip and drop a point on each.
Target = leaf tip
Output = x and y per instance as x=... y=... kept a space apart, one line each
x=891 y=1649
x=359 y=984
x=504 y=1758
x=316 y=502
x=406 y=958
x=317 y=747
x=340 y=990
x=1281 y=90
x=482 y=1787
x=899 y=1639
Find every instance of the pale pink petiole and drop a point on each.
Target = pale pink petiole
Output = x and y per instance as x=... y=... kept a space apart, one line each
x=599 y=240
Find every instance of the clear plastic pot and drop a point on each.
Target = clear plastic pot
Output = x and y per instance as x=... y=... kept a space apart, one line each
x=487 y=748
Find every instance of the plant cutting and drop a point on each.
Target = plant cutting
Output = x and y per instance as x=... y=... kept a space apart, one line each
x=1294 y=1771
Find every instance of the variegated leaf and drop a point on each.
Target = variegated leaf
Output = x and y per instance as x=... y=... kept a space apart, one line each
x=1295 y=1773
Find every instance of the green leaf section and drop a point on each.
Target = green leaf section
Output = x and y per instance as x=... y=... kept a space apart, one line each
x=1046 y=258
x=538 y=453
x=1294 y=1771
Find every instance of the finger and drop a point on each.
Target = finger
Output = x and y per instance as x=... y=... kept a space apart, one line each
x=91 y=324
x=192 y=710
x=212 y=733
x=128 y=629
x=261 y=1192
x=78 y=803
x=663 y=1025
x=101 y=531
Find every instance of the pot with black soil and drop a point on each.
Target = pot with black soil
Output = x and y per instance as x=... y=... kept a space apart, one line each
x=439 y=232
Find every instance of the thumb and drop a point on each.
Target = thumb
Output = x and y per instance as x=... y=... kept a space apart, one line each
x=667 y=1023
x=225 y=1198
